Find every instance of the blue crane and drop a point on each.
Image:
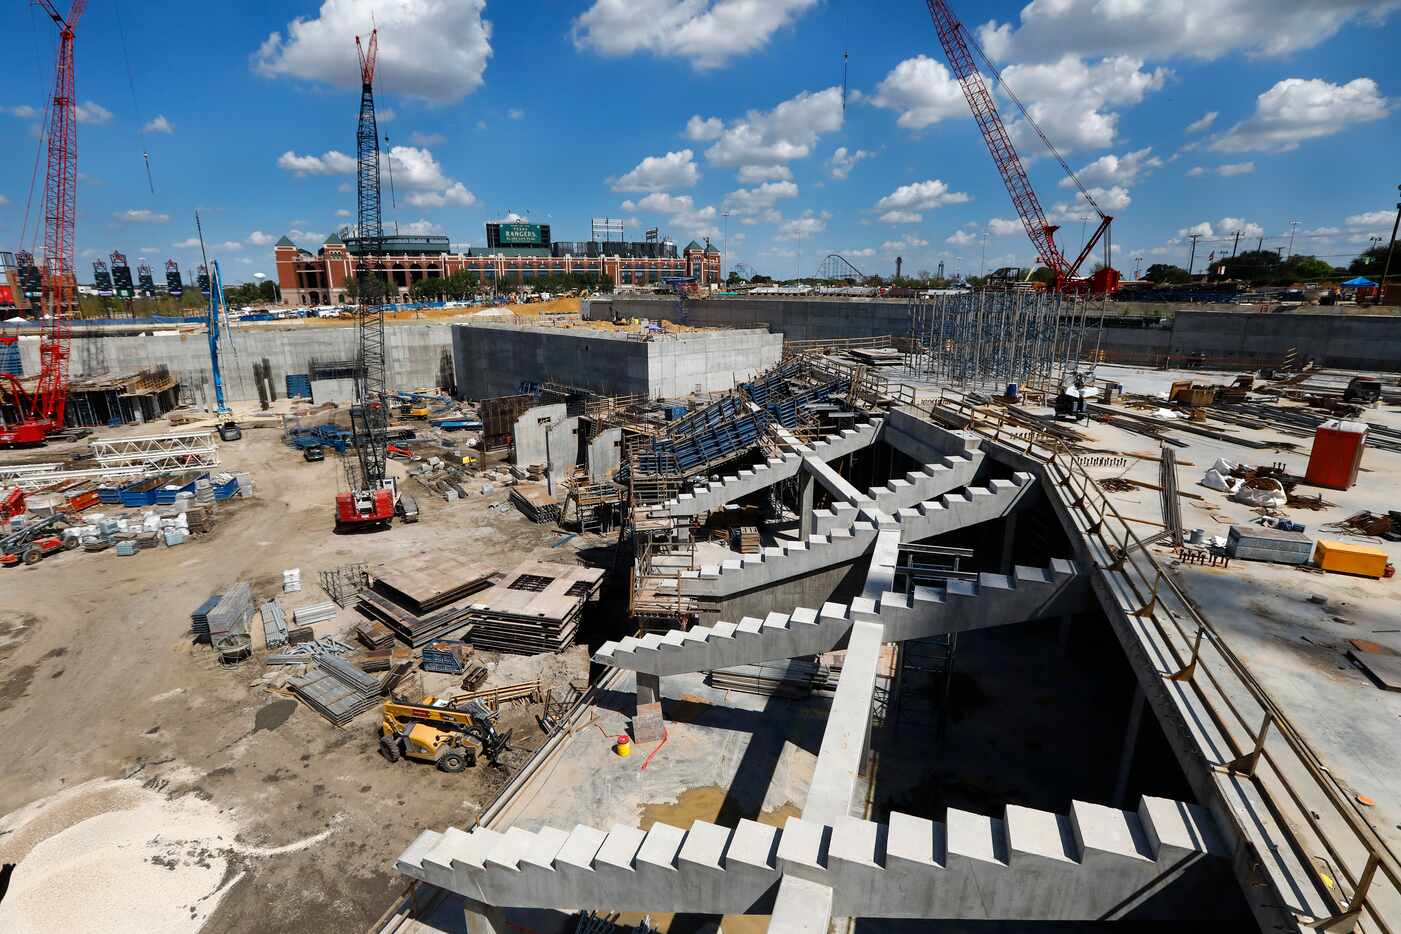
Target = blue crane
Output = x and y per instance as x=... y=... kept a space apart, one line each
x=218 y=313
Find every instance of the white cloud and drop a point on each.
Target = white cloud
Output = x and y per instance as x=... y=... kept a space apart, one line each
x=1322 y=232
x=1071 y=99
x=1002 y=227
x=233 y=246
x=801 y=228
x=1196 y=171
x=708 y=33
x=861 y=253
x=1225 y=227
x=907 y=242
x=187 y=244
x=421 y=227
x=759 y=200
x=515 y=113
x=427 y=139
x=4 y=200
x=91 y=112
x=23 y=111
x=923 y=92
x=1172 y=28
x=332 y=162
x=1117 y=170
x=306 y=236
x=1235 y=168
x=659 y=173
x=902 y=205
x=1297 y=109
x=141 y=216
x=456 y=193
x=158 y=124
x=1109 y=199
x=787 y=132
x=697 y=129
x=844 y=160
x=433 y=49
x=258 y=238
x=1370 y=219
x=1203 y=122
x=679 y=210
x=961 y=238
x=753 y=174
x=385 y=114
x=342 y=212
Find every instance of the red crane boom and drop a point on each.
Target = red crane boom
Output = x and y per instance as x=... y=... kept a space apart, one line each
x=1009 y=163
x=41 y=409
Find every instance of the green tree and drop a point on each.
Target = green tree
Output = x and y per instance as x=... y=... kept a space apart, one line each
x=1167 y=274
x=1302 y=267
x=1043 y=274
x=269 y=292
x=732 y=278
x=1371 y=263
x=1257 y=267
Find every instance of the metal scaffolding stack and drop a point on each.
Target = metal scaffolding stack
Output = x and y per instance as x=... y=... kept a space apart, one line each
x=989 y=338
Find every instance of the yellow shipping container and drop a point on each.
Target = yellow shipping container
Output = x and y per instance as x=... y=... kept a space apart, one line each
x=1347 y=558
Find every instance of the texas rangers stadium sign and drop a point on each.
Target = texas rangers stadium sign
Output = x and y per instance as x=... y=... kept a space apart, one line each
x=520 y=234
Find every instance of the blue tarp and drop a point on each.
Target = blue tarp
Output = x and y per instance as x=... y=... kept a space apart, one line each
x=1361 y=282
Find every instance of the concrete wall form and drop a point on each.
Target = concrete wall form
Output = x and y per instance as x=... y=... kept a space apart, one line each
x=493 y=360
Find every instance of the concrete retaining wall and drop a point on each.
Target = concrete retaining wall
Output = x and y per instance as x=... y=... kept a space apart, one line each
x=418 y=355
x=493 y=360
x=1224 y=338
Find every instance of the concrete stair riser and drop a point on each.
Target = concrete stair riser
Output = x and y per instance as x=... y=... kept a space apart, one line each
x=1027 y=864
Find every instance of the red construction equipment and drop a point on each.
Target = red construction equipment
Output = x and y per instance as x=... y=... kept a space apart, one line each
x=41 y=409
x=956 y=41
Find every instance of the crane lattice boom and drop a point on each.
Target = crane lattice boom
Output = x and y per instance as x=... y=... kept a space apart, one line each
x=41 y=410
x=1004 y=153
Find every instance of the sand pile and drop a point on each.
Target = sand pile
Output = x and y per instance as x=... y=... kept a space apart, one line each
x=120 y=856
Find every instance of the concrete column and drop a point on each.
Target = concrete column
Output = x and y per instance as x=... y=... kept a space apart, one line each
x=805 y=499
x=484 y=919
x=801 y=907
x=1121 y=783
x=647 y=725
x=1009 y=540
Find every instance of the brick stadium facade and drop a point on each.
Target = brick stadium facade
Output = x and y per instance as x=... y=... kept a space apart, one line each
x=320 y=278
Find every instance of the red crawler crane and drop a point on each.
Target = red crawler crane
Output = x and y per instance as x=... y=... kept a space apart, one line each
x=41 y=408
x=980 y=101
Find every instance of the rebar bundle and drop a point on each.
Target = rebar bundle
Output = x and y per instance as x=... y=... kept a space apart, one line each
x=989 y=338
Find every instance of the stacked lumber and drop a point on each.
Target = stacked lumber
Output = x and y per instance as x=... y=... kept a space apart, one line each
x=336 y=689
x=374 y=635
x=748 y=540
x=422 y=601
x=795 y=677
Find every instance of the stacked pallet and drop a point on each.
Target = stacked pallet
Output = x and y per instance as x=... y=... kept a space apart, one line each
x=747 y=540
x=421 y=602
x=536 y=504
x=534 y=609
x=336 y=689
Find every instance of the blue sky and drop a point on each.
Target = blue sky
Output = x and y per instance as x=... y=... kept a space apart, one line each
x=672 y=113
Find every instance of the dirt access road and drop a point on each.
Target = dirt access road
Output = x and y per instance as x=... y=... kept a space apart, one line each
x=167 y=794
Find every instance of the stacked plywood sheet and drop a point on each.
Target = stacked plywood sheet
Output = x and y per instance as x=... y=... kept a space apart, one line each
x=420 y=599
x=535 y=501
x=535 y=608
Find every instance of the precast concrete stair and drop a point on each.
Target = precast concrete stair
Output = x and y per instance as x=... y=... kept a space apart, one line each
x=847 y=533
x=1095 y=862
x=706 y=497
x=956 y=606
x=931 y=480
x=936 y=515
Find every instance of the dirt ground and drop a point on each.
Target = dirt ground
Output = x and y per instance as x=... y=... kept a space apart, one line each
x=112 y=703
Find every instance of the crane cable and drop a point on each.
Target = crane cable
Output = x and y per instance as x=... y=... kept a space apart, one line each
x=131 y=86
x=1002 y=83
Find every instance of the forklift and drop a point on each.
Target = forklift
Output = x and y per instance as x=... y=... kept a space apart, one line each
x=437 y=730
x=35 y=542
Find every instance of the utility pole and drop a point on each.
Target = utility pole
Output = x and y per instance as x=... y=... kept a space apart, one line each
x=982 y=263
x=1235 y=245
x=1192 y=258
x=1137 y=267
x=1390 y=251
x=1293 y=226
x=725 y=242
x=1259 y=244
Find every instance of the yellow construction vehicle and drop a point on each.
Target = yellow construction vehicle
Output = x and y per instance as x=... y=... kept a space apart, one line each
x=435 y=730
x=418 y=410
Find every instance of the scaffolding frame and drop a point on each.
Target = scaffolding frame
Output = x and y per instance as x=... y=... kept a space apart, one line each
x=987 y=339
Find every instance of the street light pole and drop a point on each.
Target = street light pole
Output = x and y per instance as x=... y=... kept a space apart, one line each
x=1293 y=226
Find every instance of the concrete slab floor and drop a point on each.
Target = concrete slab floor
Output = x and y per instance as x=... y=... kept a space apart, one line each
x=1296 y=646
